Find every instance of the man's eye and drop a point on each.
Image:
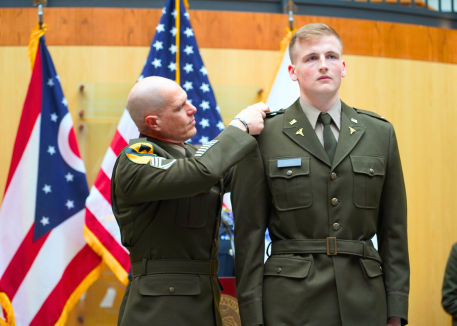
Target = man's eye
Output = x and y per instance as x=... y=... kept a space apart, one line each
x=312 y=58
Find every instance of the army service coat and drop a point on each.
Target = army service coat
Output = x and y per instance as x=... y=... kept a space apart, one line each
x=323 y=269
x=168 y=208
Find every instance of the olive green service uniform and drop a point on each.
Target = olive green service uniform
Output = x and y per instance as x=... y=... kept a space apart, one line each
x=168 y=208
x=323 y=269
x=449 y=291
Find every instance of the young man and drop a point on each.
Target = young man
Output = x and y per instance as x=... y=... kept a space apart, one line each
x=166 y=196
x=326 y=178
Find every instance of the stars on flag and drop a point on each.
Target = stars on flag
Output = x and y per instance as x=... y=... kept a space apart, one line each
x=156 y=63
x=188 y=85
x=204 y=105
x=51 y=150
x=204 y=87
x=64 y=102
x=187 y=15
x=50 y=82
x=54 y=117
x=220 y=125
x=70 y=204
x=189 y=32
x=164 y=10
x=174 y=13
x=172 y=66
x=158 y=45
x=44 y=220
x=188 y=67
x=204 y=123
x=160 y=28
x=58 y=78
x=204 y=71
x=203 y=140
x=47 y=189
x=189 y=50
x=173 y=31
x=218 y=109
x=173 y=48
x=140 y=78
x=69 y=177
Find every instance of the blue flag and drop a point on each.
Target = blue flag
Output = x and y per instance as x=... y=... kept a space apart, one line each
x=162 y=61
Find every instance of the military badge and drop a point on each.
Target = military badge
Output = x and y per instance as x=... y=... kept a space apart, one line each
x=140 y=153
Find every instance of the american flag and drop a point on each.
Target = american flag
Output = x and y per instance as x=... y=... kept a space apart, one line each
x=174 y=54
x=45 y=263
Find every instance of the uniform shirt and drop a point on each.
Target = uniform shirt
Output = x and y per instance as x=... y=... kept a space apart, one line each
x=312 y=114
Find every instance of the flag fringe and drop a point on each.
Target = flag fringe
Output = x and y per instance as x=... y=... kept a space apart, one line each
x=282 y=50
x=76 y=295
x=106 y=255
x=6 y=305
x=35 y=36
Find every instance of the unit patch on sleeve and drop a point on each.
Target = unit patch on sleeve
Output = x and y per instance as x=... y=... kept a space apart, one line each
x=140 y=153
x=202 y=150
x=161 y=162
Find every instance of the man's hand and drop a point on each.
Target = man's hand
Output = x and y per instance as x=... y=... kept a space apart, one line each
x=394 y=321
x=253 y=115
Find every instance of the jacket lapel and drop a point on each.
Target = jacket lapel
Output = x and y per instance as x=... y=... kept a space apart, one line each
x=306 y=136
x=347 y=141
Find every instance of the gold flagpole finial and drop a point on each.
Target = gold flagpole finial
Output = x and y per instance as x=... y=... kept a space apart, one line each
x=40 y=4
x=290 y=8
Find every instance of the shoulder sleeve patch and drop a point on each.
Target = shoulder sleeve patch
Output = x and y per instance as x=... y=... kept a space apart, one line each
x=140 y=152
x=202 y=150
x=161 y=162
x=372 y=114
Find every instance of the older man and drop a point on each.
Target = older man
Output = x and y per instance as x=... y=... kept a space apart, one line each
x=326 y=178
x=166 y=196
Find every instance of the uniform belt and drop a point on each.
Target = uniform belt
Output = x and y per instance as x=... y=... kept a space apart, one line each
x=175 y=266
x=330 y=246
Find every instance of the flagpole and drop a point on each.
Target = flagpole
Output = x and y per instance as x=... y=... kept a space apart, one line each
x=178 y=23
x=290 y=8
x=40 y=4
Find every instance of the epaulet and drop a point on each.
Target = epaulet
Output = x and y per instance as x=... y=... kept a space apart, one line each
x=372 y=114
x=275 y=113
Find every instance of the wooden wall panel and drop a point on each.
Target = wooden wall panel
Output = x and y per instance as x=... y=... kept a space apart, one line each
x=226 y=30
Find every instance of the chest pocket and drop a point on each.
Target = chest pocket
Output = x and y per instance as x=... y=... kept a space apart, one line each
x=369 y=174
x=290 y=185
x=192 y=212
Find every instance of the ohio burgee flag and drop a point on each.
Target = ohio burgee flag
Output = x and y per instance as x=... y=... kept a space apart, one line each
x=45 y=263
x=174 y=54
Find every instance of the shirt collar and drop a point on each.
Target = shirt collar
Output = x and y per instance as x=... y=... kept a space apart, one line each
x=312 y=113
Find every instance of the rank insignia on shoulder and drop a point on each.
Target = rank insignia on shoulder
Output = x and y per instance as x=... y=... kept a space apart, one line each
x=161 y=162
x=140 y=153
x=202 y=150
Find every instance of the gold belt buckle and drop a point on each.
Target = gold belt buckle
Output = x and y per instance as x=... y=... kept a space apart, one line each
x=328 y=246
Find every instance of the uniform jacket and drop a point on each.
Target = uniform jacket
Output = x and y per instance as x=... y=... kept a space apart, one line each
x=359 y=195
x=449 y=300
x=168 y=208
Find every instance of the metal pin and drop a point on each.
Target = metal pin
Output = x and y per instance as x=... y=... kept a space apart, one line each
x=352 y=130
x=300 y=132
x=354 y=120
x=293 y=122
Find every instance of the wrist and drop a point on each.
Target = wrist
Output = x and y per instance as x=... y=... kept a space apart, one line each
x=240 y=123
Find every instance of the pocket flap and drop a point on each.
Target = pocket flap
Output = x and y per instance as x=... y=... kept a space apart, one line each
x=370 y=165
x=169 y=284
x=290 y=171
x=296 y=267
x=372 y=267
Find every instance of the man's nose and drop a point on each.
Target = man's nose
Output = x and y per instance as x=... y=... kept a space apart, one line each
x=323 y=67
x=192 y=109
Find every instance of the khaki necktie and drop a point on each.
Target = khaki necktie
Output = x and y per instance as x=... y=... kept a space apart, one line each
x=329 y=138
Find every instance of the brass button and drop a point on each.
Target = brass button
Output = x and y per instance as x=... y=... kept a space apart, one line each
x=171 y=289
x=336 y=226
x=380 y=268
x=334 y=201
x=289 y=172
x=371 y=171
x=333 y=176
x=279 y=270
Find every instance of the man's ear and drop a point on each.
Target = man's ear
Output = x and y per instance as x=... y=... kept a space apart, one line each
x=343 y=73
x=292 y=74
x=152 y=121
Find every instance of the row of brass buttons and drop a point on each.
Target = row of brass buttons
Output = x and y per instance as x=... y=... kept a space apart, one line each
x=335 y=226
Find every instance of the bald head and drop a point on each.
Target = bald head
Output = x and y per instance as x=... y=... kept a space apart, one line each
x=150 y=95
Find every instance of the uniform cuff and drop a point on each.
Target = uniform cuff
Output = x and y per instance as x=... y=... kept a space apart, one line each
x=397 y=306
x=251 y=314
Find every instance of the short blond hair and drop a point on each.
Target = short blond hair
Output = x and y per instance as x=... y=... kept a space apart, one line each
x=311 y=31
